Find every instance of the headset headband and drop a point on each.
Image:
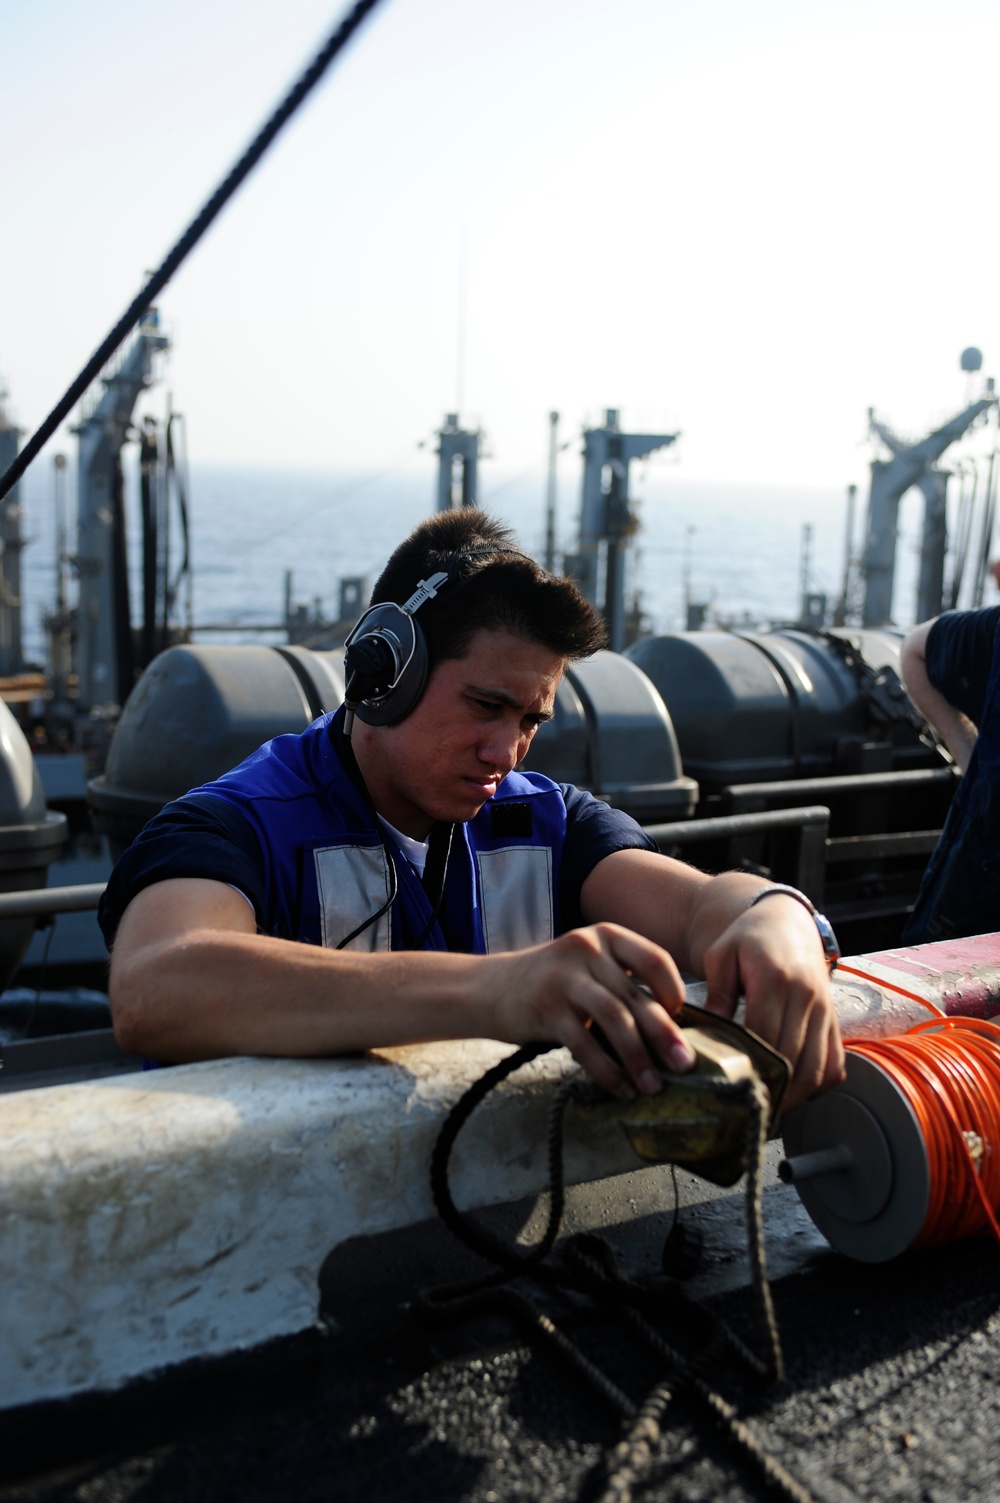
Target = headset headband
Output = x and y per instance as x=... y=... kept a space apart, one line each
x=426 y=590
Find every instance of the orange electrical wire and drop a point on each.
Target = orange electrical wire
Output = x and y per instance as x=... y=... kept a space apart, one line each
x=949 y=1071
x=890 y=986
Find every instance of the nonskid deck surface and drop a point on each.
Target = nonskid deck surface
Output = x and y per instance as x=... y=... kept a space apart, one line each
x=892 y=1388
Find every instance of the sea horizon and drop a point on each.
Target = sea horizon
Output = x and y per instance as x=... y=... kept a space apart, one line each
x=736 y=547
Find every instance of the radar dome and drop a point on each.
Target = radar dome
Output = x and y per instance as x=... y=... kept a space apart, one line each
x=972 y=359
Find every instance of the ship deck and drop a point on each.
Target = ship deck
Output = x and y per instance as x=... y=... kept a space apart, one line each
x=891 y=1386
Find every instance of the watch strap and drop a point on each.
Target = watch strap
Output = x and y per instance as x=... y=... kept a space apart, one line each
x=828 y=939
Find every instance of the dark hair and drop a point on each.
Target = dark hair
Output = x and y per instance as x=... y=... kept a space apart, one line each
x=495 y=587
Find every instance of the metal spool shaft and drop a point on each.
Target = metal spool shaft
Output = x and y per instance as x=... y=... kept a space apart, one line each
x=859 y=1162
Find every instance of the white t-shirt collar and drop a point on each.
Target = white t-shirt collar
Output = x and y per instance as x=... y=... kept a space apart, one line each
x=415 y=851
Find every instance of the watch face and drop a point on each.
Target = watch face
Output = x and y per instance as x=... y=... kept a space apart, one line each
x=831 y=949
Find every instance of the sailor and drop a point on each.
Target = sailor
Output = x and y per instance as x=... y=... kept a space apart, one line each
x=951 y=669
x=389 y=877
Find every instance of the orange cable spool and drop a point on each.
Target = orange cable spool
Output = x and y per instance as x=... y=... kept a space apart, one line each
x=950 y=1072
x=906 y=1153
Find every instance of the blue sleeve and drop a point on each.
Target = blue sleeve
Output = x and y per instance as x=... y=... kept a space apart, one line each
x=959 y=657
x=593 y=830
x=197 y=836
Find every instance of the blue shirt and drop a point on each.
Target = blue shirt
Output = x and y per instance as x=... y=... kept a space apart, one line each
x=293 y=828
x=960 y=890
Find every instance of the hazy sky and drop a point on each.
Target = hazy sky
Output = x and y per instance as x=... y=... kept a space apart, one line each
x=745 y=219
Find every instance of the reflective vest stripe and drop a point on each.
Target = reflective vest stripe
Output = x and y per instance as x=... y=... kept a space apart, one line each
x=516 y=899
x=516 y=887
x=353 y=883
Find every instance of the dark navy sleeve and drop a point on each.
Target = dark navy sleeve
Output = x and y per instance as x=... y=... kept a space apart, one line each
x=959 y=656
x=197 y=836
x=593 y=830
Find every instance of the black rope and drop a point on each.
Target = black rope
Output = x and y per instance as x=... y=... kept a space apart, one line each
x=589 y=1266
x=159 y=278
x=476 y=1237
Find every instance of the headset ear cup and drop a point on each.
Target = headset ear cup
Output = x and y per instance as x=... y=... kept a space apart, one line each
x=386 y=665
x=406 y=693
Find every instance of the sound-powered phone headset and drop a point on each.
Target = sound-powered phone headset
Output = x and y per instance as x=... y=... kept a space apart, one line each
x=385 y=656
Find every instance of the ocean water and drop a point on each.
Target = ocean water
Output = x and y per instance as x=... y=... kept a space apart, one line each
x=737 y=547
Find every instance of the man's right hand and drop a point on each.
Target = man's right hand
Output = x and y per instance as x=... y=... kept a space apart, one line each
x=556 y=990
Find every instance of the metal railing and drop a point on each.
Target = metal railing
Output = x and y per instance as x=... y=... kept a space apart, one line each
x=41 y=902
x=804 y=829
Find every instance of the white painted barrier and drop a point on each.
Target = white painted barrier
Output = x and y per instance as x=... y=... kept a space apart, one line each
x=146 y=1219
x=150 y=1218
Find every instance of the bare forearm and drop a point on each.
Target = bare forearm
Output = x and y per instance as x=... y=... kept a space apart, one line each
x=717 y=904
x=682 y=909
x=770 y=953
x=955 y=729
x=215 y=994
x=191 y=979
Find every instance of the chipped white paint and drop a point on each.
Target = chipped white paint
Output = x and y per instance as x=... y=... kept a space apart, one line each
x=151 y=1218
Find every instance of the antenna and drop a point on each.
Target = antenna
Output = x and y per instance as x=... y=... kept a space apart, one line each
x=463 y=294
x=550 y=495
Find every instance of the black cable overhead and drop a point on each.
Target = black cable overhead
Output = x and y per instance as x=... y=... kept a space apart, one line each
x=159 y=278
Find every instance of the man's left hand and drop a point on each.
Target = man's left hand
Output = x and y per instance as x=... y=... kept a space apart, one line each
x=772 y=955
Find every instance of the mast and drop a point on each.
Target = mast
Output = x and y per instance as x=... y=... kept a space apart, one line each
x=458 y=464
x=59 y=623
x=104 y=647
x=847 y=588
x=989 y=515
x=911 y=464
x=11 y=652
x=933 y=486
x=607 y=521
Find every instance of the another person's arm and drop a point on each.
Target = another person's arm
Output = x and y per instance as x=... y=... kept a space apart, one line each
x=955 y=728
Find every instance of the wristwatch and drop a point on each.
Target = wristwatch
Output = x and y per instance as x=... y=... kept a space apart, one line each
x=831 y=949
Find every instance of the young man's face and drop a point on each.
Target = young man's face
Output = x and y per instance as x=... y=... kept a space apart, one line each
x=472 y=726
